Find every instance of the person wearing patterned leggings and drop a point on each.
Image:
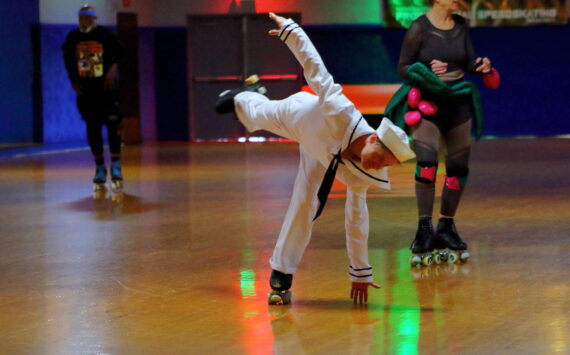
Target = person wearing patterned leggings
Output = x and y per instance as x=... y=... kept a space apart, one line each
x=440 y=40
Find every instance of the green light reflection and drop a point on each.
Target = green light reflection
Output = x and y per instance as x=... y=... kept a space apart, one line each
x=406 y=320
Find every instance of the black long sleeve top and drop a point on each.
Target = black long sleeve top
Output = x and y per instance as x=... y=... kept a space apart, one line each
x=424 y=42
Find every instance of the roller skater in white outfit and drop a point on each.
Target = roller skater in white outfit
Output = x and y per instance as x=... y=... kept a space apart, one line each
x=331 y=133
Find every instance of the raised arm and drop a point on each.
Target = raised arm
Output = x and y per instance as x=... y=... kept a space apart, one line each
x=316 y=74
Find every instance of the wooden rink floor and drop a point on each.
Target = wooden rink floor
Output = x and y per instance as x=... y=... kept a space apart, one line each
x=180 y=264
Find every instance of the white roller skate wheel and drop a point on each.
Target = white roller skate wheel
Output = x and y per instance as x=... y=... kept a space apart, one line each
x=465 y=255
x=452 y=257
x=415 y=260
x=427 y=260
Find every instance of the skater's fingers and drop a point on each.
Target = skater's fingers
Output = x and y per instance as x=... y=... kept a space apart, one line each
x=352 y=293
x=361 y=297
x=365 y=296
x=274 y=32
x=375 y=285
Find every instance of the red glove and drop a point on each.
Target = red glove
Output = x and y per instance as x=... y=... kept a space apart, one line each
x=359 y=291
x=492 y=79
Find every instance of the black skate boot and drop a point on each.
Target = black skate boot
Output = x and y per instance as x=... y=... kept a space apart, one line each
x=448 y=243
x=225 y=102
x=422 y=246
x=280 y=284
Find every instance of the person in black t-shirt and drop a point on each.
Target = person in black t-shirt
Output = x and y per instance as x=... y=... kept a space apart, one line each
x=91 y=54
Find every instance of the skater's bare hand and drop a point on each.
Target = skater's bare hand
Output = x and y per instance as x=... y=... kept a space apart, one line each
x=484 y=65
x=438 y=67
x=279 y=21
x=359 y=291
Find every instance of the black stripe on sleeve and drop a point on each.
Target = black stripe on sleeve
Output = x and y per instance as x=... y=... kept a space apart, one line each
x=285 y=28
x=359 y=276
x=291 y=30
x=363 y=269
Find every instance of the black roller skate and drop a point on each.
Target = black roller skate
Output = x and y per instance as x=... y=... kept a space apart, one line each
x=100 y=181
x=116 y=176
x=449 y=246
x=280 y=284
x=225 y=102
x=422 y=246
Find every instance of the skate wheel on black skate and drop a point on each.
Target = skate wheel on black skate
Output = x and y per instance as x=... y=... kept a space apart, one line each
x=279 y=297
x=437 y=258
x=427 y=260
x=251 y=80
x=452 y=257
x=415 y=261
x=464 y=256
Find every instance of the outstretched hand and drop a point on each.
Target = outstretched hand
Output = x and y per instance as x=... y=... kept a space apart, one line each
x=279 y=21
x=359 y=291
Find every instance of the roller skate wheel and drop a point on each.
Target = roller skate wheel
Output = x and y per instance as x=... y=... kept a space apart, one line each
x=99 y=187
x=252 y=79
x=437 y=258
x=415 y=260
x=452 y=257
x=465 y=255
x=279 y=297
x=427 y=260
x=117 y=185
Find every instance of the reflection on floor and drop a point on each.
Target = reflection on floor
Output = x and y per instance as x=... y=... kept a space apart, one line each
x=178 y=263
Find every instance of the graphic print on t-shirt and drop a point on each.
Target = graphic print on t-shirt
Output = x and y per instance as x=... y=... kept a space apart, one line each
x=89 y=59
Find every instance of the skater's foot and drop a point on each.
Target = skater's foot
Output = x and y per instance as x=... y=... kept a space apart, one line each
x=100 y=174
x=446 y=236
x=280 y=284
x=116 y=176
x=422 y=246
x=225 y=102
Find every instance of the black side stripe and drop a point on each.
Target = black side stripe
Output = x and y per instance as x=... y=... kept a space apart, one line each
x=291 y=30
x=283 y=30
x=359 y=276
x=366 y=268
x=365 y=173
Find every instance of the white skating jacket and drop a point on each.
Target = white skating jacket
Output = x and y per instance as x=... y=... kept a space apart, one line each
x=326 y=126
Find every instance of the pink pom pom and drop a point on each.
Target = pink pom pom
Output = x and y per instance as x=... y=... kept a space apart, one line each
x=492 y=79
x=428 y=108
x=412 y=118
x=414 y=97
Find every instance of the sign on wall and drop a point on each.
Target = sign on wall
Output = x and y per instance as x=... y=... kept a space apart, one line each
x=401 y=13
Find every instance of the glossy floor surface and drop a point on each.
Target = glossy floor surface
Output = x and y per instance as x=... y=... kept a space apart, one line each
x=179 y=264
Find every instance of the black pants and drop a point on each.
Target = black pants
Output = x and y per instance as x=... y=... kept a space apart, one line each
x=98 y=109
